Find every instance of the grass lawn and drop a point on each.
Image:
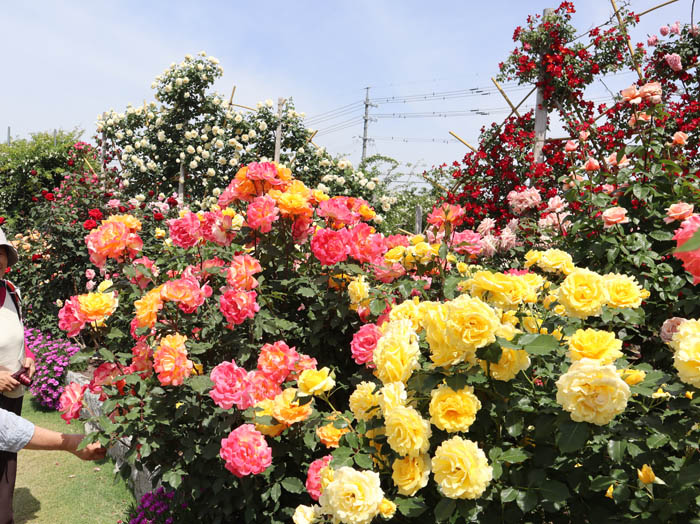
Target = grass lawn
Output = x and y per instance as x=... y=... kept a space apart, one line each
x=55 y=487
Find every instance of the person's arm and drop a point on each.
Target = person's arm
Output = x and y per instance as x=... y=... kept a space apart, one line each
x=18 y=433
x=52 y=440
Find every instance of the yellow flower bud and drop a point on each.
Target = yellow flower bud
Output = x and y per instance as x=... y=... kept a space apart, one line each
x=646 y=474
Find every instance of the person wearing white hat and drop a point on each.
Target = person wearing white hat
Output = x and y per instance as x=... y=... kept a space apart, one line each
x=13 y=359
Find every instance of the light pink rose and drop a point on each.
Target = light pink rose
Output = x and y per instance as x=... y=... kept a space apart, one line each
x=664 y=30
x=651 y=92
x=669 y=328
x=652 y=40
x=570 y=146
x=675 y=28
x=674 y=61
x=607 y=188
x=520 y=201
x=90 y=285
x=678 y=211
x=89 y=274
x=556 y=204
x=615 y=215
x=486 y=226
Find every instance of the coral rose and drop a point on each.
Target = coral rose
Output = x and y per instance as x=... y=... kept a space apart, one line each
x=615 y=215
x=245 y=451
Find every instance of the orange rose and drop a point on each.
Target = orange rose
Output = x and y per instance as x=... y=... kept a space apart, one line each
x=615 y=215
x=678 y=211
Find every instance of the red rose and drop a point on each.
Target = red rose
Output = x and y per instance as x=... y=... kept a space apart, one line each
x=35 y=199
x=172 y=202
x=36 y=257
x=70 y=162
x=49 y=196
x=33 y=171
x=89 y=224
x=2 y=220
x=156 y=216
x=122 y=209
x=95 y=214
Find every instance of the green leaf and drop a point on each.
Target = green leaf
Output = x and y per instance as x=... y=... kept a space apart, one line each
x=691 y=244
x=514 y=455
x=364 y=461
x=445 y=508
x=292 y=485
x=526 y=500
x=456 y=382
x=377 y=306
x=424 y=382
x=542 y=345
x=342 y=457
x=661 y=235
x=306 y=292
x=554 y=491
x=616 y=450
x=572 y=436
x=509 y=494
x=491 y=353
x=657 y=440
x=200 y=383
x=411 y=507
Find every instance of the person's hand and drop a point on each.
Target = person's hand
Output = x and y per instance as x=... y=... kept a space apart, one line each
x=29 y=363
x=93 y=451
x=7 y=383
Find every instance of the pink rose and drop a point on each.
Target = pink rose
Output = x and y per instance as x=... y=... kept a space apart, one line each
x=245 y=451
x=652 y=40
x=556 y=204
x=591 y=164
x=669 y=328
x=678 y=211
x=615 y=215
x=237 y=305
x=313 y=477
x=71 y=401
x=229 y=381
x=674 y=61
x=486 y=226
x=185 y=232
x=330 y=246
x=363 y=343
x=570 y=146
x=651 y=92
x=690 y=259
x=664 y=30
x=675 y=28
x=69 y=318
x=89 y=274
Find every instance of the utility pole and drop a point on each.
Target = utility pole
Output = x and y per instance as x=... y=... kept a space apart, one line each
x=278 y=134
x=540 y=111
x=9 y=140
x=366 y=119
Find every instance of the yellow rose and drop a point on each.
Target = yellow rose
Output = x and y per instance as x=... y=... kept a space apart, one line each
x=304 y=515
x=407 y=433
x=410 y=474
x=501 y=290
x=532 y=257
x=387 y=509
x=396 y=354
x=462 y=268
x=392 y=395
x=686 y=359
x=358 y=289
x=416 y=239
x=395 y=254
x=264 y=409
x=596 y=345
x=685 y=333
x=609 y=491
x=408 y=309
x=287 y=410
x=354 y=497
x=583 y=294
x=660 y=393
x=423 y=252
x=452 y=410
x=623 y=291
x=160 y=234
x=592 y=392
x=632 y=376
x=461 y=469
x=96 y=307
x=471 y=324
x=364 y=400
x=555 y=260
x=646 y=474
x=315 y=381
x=512 y=362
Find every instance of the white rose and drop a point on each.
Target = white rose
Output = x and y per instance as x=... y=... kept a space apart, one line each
x=238 y=119
x=190 y=150
x=193 y=164
x=211 y=172
x=371 y=185
x=262 y=126
x=269 y=103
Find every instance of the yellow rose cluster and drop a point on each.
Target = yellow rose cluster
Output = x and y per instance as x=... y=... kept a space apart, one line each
x=686 y=355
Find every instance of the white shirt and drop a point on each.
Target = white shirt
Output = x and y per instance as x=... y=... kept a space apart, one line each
x=11 y=342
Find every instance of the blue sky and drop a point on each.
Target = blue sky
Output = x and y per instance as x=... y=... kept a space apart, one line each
x=66 y=62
